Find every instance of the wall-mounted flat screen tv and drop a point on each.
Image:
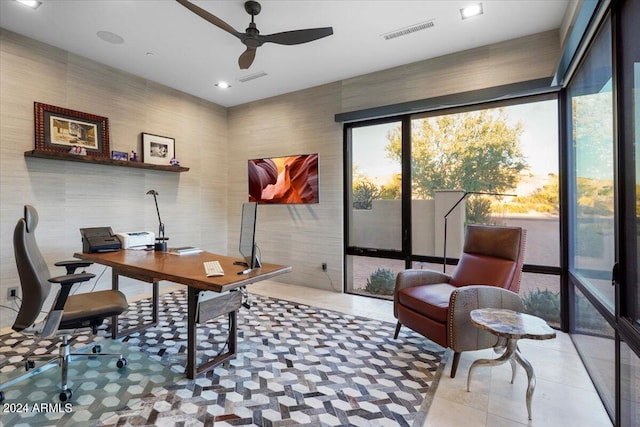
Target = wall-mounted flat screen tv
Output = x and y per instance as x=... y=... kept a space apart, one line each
x=284 y=180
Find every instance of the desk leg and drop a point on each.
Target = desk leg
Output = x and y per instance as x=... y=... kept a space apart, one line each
x=114 y=319
x=155 y=304
x=233 y=332
x=192 y=369
x=192 y=303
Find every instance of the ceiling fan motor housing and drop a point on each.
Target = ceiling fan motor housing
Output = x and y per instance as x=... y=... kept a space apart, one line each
x=252 y=7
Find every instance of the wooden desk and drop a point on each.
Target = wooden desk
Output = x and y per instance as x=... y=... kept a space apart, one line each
x=152 y=267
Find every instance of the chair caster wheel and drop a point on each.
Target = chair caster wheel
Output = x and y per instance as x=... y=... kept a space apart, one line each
x=96 y=349
x=121 y=363
x=65 y=395
x=29 y=364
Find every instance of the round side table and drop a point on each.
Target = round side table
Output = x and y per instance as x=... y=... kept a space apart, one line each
x=512 y=326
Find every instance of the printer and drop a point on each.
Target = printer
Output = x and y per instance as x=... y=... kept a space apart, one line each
x=136 y=239
x=99 y=239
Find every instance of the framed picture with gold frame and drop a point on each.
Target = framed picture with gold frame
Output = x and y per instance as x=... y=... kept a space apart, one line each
x=62 y=130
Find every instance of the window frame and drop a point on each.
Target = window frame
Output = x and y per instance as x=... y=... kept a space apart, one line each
x=406 y=252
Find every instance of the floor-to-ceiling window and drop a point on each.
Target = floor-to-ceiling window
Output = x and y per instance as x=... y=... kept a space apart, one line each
x=627 y=47
x=415 y=181
x=628 y=43
x=374 y=210
x=602 y=119
x=592 y=171
x=501 y=164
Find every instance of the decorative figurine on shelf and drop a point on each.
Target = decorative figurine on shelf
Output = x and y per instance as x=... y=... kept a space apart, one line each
x=78 y=151
x=174 y=162
x=134 y=156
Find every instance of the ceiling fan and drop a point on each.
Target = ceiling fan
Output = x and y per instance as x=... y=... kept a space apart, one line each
x=252 y=38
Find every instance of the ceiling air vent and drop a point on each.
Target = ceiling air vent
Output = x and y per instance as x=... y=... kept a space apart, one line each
x=252 y=77
x=408 y=30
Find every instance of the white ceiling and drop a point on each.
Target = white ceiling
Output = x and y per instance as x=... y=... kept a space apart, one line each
x=166 y=43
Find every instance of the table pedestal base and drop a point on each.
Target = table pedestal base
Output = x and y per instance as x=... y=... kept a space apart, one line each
x=511 y=355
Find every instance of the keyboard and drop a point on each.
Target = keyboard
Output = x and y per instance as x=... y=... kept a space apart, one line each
x=213 y=268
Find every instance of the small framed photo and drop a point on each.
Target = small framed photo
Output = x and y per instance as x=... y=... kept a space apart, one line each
x=62 y=130
x=157 y=150
x=119 y=155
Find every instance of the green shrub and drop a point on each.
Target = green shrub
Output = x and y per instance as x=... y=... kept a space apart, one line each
x=381 y=282
x=478 y=210
x=364 y=193
x=544 y=304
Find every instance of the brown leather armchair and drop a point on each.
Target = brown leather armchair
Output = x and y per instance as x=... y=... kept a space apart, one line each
x=437 y=305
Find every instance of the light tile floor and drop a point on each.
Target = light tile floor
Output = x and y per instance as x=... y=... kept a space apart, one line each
x=564 y=394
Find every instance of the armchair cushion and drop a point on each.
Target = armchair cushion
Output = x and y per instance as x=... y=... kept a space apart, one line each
x=431 y=301
x=476 y=269
x=498 y=242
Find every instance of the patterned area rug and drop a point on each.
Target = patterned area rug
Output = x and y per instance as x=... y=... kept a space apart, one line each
x=99 y=388
x=296 y=365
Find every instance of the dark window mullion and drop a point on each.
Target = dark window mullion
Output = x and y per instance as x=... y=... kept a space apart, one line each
x=406 y=190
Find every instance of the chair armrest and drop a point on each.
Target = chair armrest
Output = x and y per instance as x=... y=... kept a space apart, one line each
x=73 y=265
x=67 y=281
x=72 y=278
x=55 y=315
x=414 y=277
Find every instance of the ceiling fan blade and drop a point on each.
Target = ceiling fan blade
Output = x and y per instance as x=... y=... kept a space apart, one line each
x=209 y=17
x=297 y=36
x=246 y=59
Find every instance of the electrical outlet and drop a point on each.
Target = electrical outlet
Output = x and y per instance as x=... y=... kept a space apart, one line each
x=12 y=293
x=324 y=266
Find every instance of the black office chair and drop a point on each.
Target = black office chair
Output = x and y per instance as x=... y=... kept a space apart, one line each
x=68 y=312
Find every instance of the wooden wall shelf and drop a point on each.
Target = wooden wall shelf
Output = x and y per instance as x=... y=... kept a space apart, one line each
x=102 y=161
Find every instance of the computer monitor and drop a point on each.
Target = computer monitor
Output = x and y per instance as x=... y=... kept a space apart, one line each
x=248 y=235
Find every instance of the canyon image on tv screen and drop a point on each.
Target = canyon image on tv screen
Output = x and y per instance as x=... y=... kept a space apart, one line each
x=284 y=180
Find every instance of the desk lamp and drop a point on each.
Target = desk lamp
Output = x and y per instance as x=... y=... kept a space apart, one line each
x=161 y=241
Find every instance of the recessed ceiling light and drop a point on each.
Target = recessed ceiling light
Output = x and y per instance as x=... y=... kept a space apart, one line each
x=470 y=11
x=110 y=37
x=223 y=85
x=33 y=4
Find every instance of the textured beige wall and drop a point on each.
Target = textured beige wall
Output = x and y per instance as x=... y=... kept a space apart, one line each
x=512 y=61
x=202 y=206
x=71 y=195
x=305 y=236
